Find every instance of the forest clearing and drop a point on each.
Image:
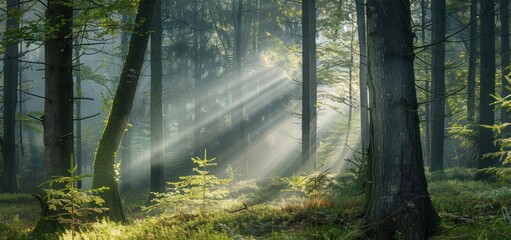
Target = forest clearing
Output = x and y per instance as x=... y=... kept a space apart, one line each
x=255 y=119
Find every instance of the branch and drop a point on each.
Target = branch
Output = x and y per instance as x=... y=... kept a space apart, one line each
x=83 y=118
x=245 y=207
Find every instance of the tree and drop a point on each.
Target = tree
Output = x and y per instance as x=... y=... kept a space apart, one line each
x=104 y=161
x=487 y=88
x=438 y=13
x=364 y=105
x=156 y=109
x=10 y=68
x=505 y=115
x=400 y=205
x=471 y=81
x=309 y=84
x=59 y=102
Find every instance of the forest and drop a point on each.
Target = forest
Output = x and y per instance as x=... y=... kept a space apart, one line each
x=255 y=119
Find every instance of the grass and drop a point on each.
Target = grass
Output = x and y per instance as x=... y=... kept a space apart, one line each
x=468 y=209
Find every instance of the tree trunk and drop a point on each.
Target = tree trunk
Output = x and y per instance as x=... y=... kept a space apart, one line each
x=309 y=85
x=156 y=108
x=400 y=206
x=438 y=13
x=198 y=145
x=471 y=83
x=79 y=145
x=10 y=68
x=104 y=171
x=487 y=88
x=59 y=102
x=364 y=104
x=505 y=115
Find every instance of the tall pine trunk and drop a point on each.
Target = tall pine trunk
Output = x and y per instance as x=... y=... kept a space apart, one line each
x=438 y=18
x=400 y=201
x=104 y=161
x=364 y=104
x=505 y=115
x=309 y=85
x=471 y=83
x=10 y=68
x=487 y=88
x=156 y=108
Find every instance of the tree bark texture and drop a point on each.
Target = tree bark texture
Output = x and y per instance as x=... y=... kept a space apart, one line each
x=156 y=108
x=59 y=99
x=400 y=206
x=364 y=103
x=505 y=115
x=309 y=85
x=438 y=13
x=487 y=88
x=10 y=69
x=104 y=172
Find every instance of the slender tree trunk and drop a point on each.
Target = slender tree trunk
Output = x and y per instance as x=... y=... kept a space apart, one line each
x=10 y=68
x=197 y=138
x=438 y=12
x=156 y=108
x=309 y=85
x=104 y=171
x=400 y=201
x=471 y=154
x=79 y=145
x=505 y=115
x=364 y=104
x=486 y=114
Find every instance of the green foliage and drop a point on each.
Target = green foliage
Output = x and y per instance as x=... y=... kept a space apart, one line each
x=461 y=174
x=201 y=189
x=70 y=203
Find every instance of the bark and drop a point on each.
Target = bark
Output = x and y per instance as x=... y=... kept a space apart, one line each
x=400 y=206
x=59 y=102
x=10 y=69
x=104 y=172
x=309 y=85
x=197 y=54
x=438 y=12
x=471 y=83
x=505 y=115
x=79 y=145
x=156 y=108
x=487 y=88
x=364 y=104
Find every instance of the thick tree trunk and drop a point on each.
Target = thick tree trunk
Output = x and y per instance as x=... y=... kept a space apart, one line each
x=156 y=108
x=309 y=85
x=59 y=102
x=438 y=13
x=10 y=68
x=104 y=171
x=486 y=114
x=400 y=205
x=364 y=104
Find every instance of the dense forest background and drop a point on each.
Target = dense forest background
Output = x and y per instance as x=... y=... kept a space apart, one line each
x=218 y=119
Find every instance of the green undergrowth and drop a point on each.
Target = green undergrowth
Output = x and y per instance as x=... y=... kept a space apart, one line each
x=277 y=209
x=18 y=214
x=470 y=209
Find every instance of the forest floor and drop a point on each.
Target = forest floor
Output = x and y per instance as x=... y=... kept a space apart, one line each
x=468 y=210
